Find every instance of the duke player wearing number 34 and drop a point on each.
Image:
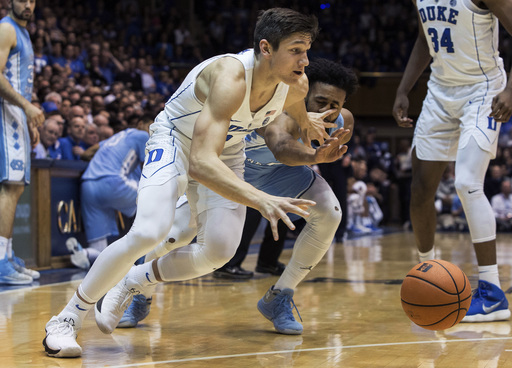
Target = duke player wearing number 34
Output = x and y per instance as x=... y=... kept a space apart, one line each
x=468 y=98
x=19 y=120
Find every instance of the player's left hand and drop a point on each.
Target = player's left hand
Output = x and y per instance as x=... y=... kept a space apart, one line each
x=33 y=132
x=332 y=150
x=317 y=125
x=502 y=106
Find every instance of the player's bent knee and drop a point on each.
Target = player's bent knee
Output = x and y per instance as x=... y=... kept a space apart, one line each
x=146 y=238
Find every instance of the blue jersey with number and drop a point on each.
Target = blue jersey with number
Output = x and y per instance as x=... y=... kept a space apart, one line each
x=463 y=41
x=120 y=155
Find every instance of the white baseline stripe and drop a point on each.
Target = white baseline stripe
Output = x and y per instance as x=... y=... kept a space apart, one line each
x=306 y=350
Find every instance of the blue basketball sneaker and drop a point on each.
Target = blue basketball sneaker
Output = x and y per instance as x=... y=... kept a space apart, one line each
x=276 y=306
x=9 y=275
x=136 y=312
x=19 y=265
x=488 y=304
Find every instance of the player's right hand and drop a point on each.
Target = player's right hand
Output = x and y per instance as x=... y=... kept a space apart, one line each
x=400 y=110
x=35 y=116
x=275 y=208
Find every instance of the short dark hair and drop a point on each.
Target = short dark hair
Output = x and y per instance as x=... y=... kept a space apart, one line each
x=277 y=23
x=332 y=73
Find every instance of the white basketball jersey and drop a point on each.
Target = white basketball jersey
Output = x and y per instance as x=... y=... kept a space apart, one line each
x=183 y=107
x=463 y=41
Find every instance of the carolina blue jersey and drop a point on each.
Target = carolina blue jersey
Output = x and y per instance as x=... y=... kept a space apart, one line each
x=120 y=155
x=110 y=182
x=19 y=68
x=14 y=138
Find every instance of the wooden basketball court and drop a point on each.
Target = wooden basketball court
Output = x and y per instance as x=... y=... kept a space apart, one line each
x=350 y=306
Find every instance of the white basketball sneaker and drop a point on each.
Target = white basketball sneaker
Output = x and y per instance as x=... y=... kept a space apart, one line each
x=60 y=340
x=110 y=308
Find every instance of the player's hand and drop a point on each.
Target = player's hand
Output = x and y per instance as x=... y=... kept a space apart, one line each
x=275 y=208
x=332 y=150
x=400 y=110
x=35 y=116
x=33 y=133
x=317 y=125
x=501 y=107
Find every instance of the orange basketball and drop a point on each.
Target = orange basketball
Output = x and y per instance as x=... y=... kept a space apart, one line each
x=436 y=294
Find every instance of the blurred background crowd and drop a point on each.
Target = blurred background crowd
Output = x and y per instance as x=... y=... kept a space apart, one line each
x=101 y=66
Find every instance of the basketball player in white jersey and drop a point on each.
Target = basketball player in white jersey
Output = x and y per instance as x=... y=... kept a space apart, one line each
x=468 y=98
x=329 y=85
x=197 y=144
x=19 y=120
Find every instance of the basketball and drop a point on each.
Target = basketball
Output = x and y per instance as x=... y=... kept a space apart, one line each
x=435 y=294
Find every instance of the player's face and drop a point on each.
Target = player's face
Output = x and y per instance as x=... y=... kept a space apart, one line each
x=290 y=59
x=322 y=97
x=23 y=9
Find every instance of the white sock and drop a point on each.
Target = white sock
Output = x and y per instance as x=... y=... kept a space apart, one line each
x=9 y=248
x=77 y=308
x=489 y=274
x=427 y=256
x=3 y=247
x=142 y=278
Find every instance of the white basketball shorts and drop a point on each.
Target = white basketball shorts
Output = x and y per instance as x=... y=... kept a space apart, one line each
x=451 y=115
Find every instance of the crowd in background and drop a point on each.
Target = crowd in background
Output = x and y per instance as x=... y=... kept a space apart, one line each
x=100 y=66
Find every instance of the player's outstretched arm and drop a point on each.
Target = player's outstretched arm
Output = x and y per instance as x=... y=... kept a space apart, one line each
x=224 y=90
x=281 y=137
x=312 y=125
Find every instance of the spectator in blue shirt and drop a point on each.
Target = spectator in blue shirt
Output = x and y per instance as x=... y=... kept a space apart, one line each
x=72 y=145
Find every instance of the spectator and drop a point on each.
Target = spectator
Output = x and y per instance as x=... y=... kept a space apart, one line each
x=72 y=145
x=49 y=145
x=502 y=206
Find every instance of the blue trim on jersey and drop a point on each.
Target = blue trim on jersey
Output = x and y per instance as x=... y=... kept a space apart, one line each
x=178 y=95
x=184 y=116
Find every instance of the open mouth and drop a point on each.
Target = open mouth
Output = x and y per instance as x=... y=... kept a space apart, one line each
x=299 y=73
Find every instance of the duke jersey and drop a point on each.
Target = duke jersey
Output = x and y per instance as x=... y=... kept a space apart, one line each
x=463 y=42
x=120 y=155
x=14 y=138
x=183 y=108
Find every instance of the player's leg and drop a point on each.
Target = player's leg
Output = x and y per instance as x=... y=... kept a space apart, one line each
x=9 y=196
x=426 y=176
x=489 y=302
x=182 y=233
x=312 y=243
x=233 y=269
x=155 y=212
x=220 y=224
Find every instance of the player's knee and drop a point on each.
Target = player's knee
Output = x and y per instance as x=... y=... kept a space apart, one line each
x=146 y=239
x=327 y=212
x=219 y=257
x=465 y=188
